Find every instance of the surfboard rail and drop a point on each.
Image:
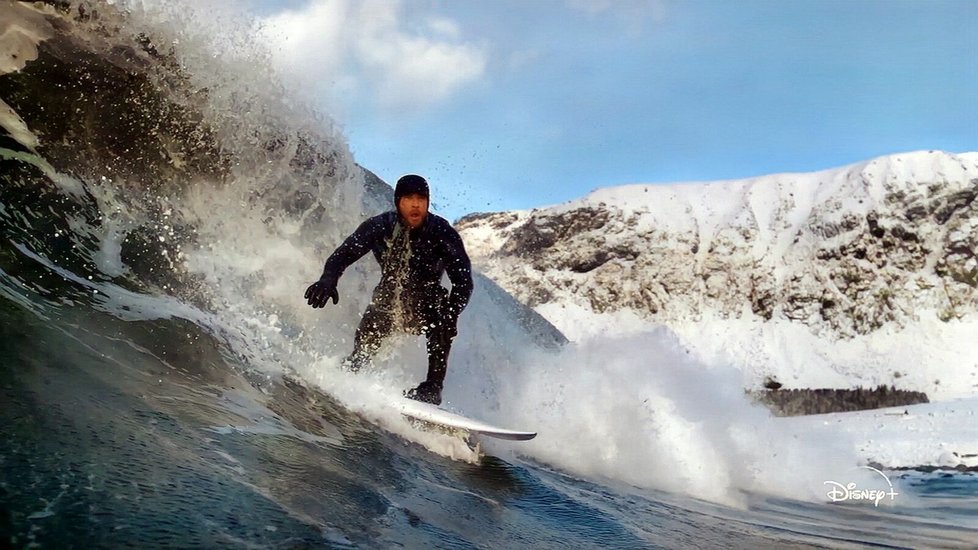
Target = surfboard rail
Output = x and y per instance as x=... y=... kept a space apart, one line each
x=427 y=412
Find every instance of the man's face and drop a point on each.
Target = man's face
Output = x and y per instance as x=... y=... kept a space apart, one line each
x=413 y=208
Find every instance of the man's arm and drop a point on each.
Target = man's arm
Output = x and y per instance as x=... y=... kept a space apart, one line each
x=353 y=248
x=459 y=269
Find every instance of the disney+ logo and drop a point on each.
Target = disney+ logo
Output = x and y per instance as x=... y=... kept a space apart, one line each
x=840 y=493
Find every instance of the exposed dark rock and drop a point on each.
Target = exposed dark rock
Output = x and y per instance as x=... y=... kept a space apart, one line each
x=542 y=232
x=905 y=235
x=798 y=402
x=874 y=227
x=762 y=299
x=956 y=201
x=916 y=212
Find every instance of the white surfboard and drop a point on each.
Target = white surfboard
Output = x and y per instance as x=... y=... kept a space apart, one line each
x=427 y=412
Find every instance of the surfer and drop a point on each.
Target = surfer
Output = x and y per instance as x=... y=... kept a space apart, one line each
x=414 y=248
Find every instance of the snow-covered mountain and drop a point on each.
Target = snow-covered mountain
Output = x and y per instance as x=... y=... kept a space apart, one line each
x=865 y=274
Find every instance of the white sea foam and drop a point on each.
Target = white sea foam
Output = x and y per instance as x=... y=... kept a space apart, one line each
x=641 y=410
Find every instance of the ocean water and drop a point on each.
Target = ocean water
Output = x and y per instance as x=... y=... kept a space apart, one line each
x=164 y=385
x=146 y=434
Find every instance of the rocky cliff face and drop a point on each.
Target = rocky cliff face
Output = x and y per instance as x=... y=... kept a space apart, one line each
x=843 y=252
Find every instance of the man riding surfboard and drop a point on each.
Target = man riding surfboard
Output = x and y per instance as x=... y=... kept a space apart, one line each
x=414 y=248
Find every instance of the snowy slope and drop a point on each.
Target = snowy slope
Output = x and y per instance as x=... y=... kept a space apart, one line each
x=939 y=435
x=861 y=275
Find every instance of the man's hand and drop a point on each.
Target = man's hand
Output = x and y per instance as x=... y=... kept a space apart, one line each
x=321 y=291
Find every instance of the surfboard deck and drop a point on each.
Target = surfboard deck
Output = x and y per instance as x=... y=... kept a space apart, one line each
x=426 y=412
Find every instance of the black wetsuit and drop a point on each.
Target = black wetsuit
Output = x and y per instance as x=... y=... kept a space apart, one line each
x=409 y=296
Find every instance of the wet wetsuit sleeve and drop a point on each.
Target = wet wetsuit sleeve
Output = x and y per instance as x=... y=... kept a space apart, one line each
x=353 y=248
x=459 y=269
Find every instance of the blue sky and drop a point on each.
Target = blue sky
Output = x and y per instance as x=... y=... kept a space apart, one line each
x=517 y=104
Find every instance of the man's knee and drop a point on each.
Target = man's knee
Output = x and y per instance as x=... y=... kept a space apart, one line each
x=374 y=322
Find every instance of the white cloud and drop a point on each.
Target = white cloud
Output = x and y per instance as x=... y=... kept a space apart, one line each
x=445 y=27
x=373 y=49
x=311 y=39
